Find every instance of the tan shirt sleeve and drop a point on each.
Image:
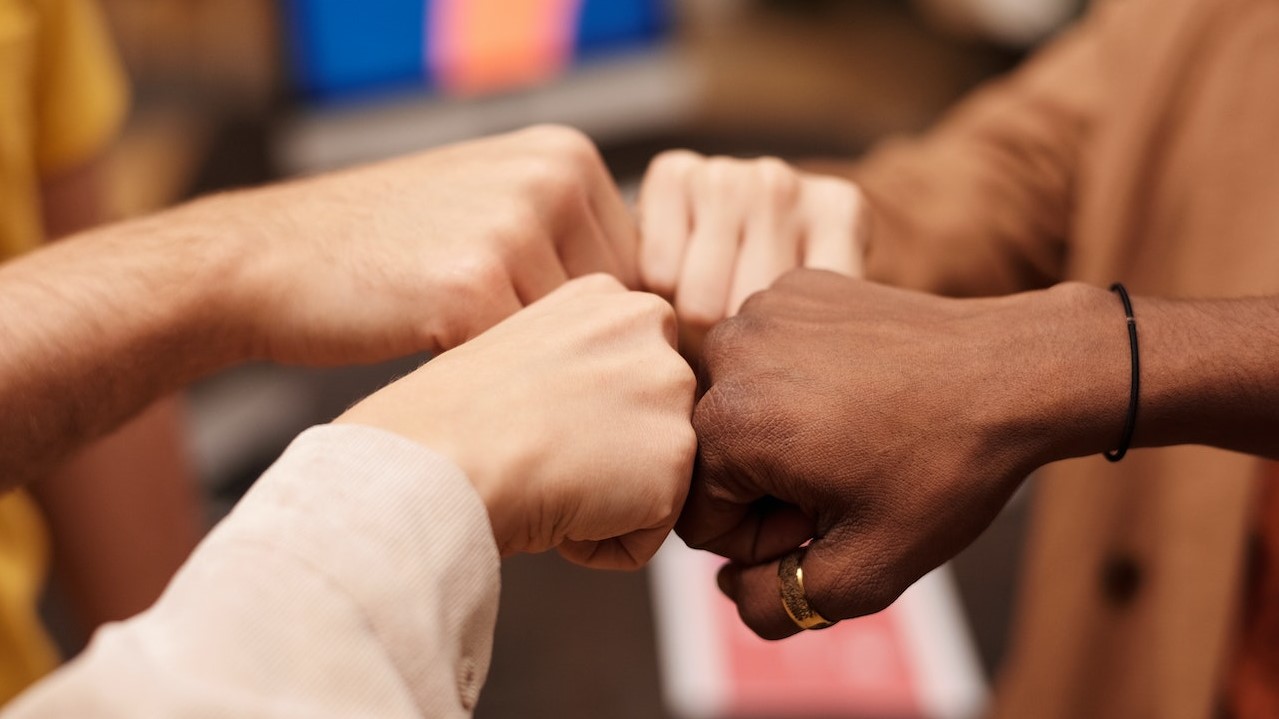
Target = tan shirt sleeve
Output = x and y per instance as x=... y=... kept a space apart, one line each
x=982 y=203
x=359 y=577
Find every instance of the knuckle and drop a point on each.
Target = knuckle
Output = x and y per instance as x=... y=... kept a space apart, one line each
x=552 y=179
x=722 y=174
x=778 y=181
x=653 y=307
x=792 y=282
x=515 y=226
x=757 y=303
x=674 y=164
x=481 y=274
x=600 y=283
x=563 y=139
x=724 y=337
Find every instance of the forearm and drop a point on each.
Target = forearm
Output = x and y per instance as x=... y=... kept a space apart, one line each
x=1209 y=372
x=97 y=327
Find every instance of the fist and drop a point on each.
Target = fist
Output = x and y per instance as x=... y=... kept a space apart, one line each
x=423 y=252
x=571 y=418
x=716 y=230
x=886 y=426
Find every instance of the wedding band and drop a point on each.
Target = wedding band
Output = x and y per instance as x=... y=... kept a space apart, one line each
x=792 y=590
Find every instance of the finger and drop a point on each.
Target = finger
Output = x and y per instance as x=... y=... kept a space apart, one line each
x=665 y=220
x=583 y=248
x=745 y=533
x=536 y=271
x=838 y=584
x=729 y=511
x=618 y=225
x=706 y=277
x=628 y=552
x=833 y=237
x=770 y=247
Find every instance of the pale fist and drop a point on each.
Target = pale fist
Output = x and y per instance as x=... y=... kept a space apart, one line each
x=716 y=230
x=571 y=418
x=424 y=252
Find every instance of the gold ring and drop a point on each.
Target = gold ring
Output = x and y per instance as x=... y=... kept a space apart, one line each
x=793 y=598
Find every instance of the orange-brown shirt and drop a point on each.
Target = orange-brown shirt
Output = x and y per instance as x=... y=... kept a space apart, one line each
x=1254 y=680
x=1141 y=146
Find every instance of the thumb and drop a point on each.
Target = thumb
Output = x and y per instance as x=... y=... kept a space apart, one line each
x=839 y=583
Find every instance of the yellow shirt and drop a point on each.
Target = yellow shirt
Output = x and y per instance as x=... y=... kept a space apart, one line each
x=62 y=96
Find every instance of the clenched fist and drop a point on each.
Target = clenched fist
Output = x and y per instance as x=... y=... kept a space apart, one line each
x=716 y=230
x=571 y=418
x=414 y=254
x=888 y=427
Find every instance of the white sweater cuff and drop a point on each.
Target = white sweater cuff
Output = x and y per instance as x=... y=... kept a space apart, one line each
x=397 y=527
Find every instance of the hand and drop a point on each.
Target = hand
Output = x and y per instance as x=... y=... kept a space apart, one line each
x=420 y=253
x=717 y=230
x=887 y=426
x=571 y=418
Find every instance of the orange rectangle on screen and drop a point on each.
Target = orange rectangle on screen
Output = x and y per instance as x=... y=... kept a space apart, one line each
x=477 y=46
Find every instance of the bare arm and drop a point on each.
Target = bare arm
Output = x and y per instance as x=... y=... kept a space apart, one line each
x=411 y=255
x=97 y=328
x=123 y=513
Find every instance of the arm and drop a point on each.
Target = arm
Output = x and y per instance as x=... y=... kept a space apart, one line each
x=890 y=426
x=359 y=576
x=416 y=254
x=98 y=327
x=123 y=513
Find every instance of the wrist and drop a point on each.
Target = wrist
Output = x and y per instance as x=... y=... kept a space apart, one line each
x=1067 y=391
x=206 y=260
x=438 y=433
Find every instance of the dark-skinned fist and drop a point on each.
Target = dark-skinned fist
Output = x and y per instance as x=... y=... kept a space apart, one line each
x=887 y=426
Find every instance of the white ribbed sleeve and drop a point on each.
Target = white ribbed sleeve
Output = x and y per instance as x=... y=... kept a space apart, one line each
x=358 y=578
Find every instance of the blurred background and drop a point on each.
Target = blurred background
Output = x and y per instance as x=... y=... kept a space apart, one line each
x=228 y=93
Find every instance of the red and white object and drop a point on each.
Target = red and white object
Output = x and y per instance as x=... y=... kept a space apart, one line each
x=914 y=660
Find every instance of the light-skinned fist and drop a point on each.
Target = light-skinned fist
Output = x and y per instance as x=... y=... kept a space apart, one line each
x=571 y=418
x=415 y=254
x=715 y=230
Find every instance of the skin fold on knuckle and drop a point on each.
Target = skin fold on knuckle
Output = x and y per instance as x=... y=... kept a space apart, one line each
x=556 y=188
x=563 y=141
x=672 y=166
x=779 y=185
x=599 y=283
x=720 y=178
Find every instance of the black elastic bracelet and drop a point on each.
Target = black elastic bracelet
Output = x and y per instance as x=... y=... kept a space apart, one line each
x=1130 y=424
